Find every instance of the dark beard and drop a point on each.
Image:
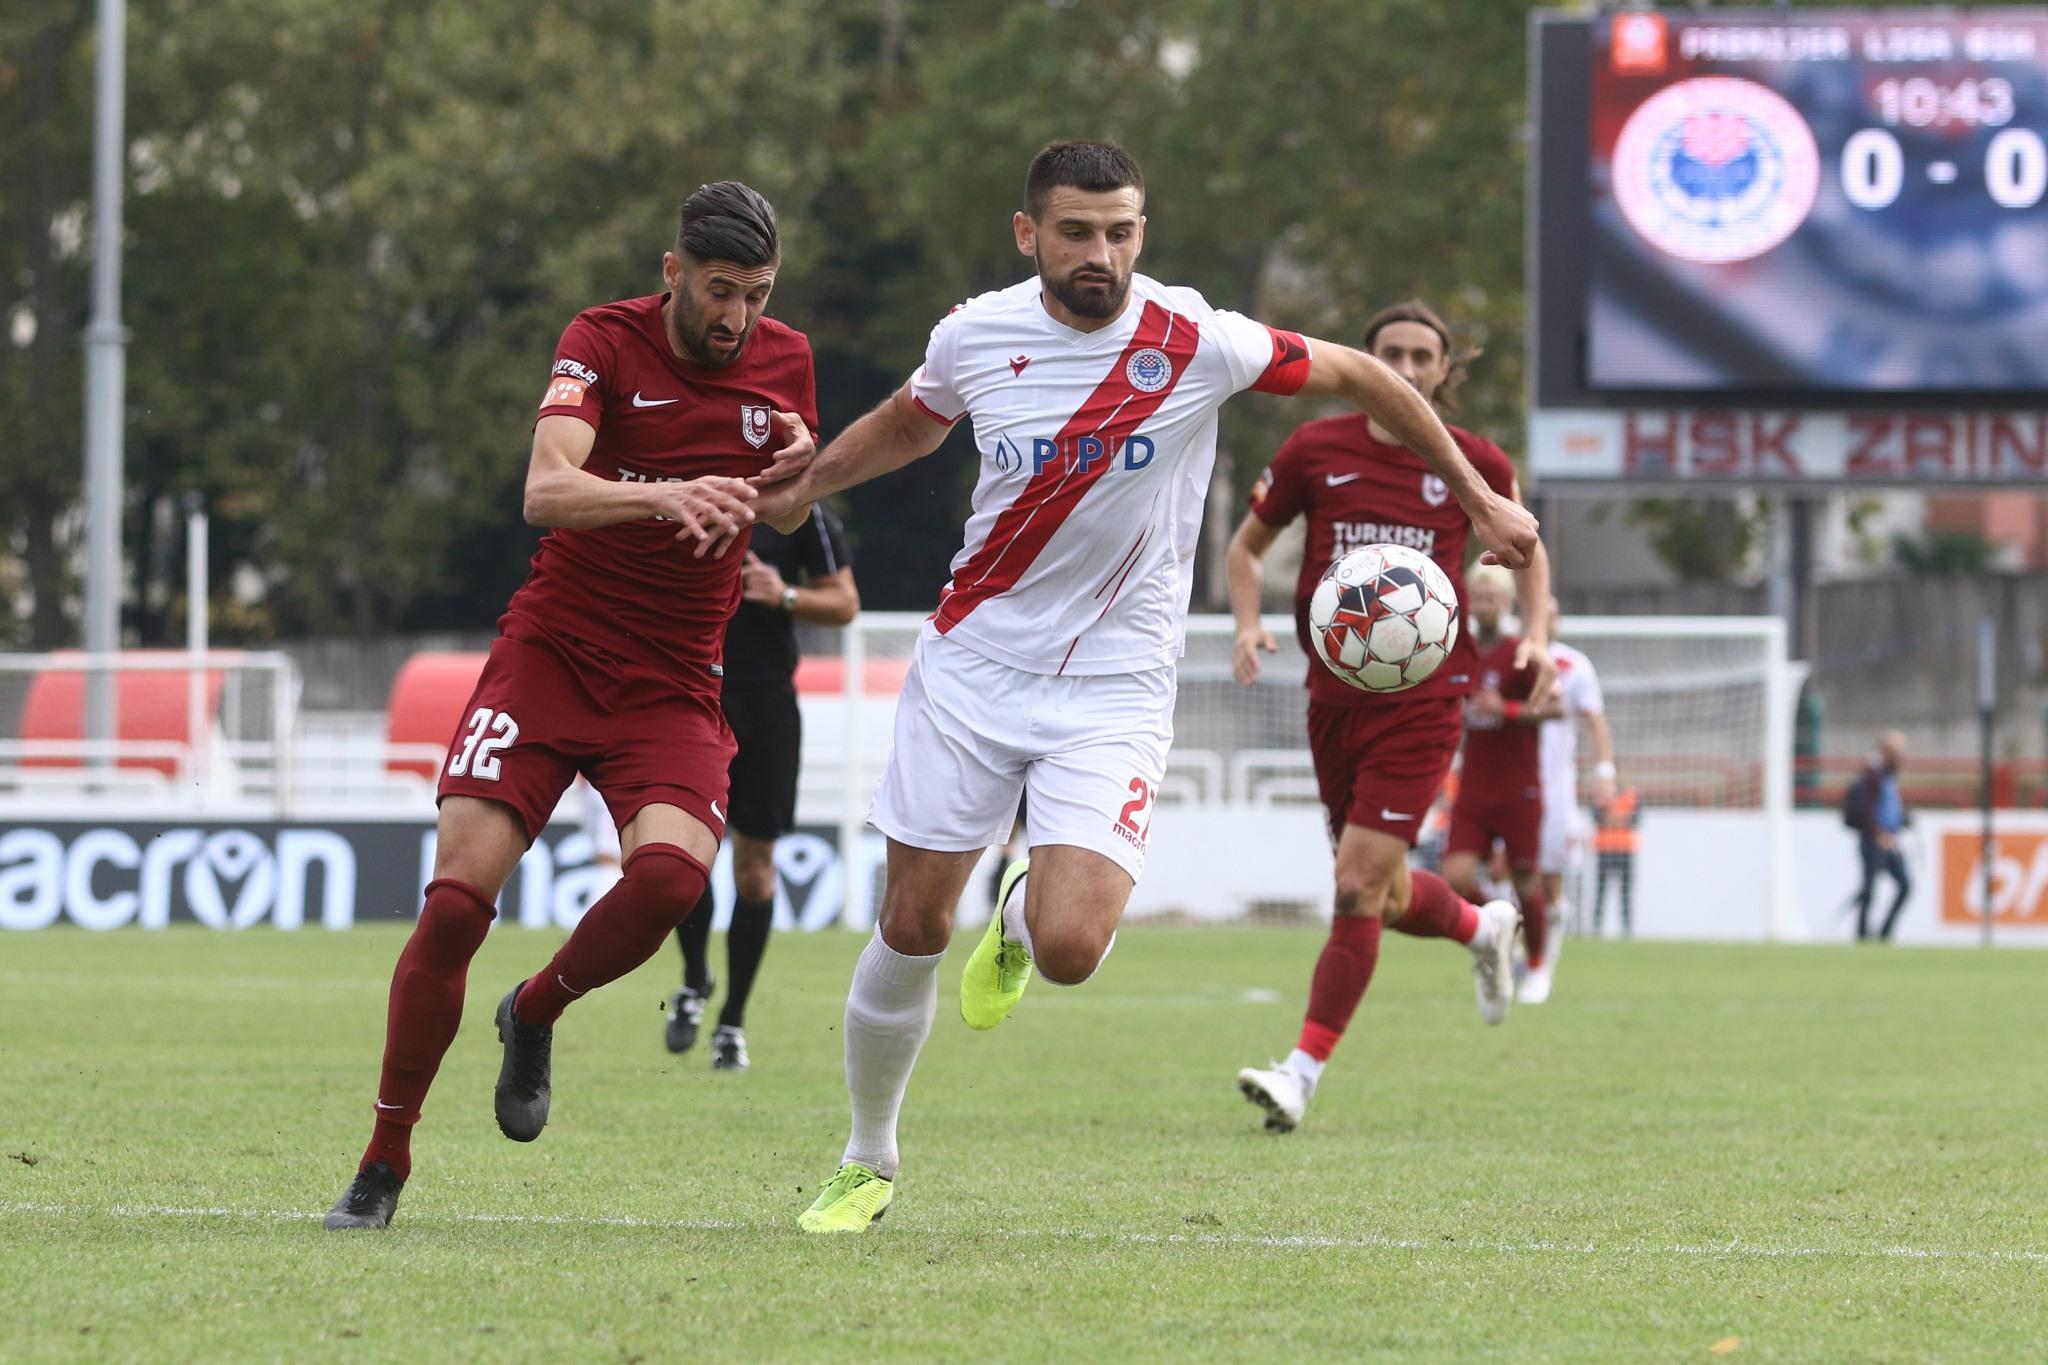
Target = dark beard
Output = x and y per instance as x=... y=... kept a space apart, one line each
x=695 y=339
x=1087 y=301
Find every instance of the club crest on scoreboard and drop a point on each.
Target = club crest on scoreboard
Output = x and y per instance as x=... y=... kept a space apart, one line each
x=1715 y=170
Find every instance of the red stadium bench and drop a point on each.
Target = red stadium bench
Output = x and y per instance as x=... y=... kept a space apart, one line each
x=426 y=706
x=150 y=706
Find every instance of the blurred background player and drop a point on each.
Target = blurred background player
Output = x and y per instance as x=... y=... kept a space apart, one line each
x=1616 y=837
x=656 y=411
x=1500 y=791
x=1875 y=809
x=1380 y=758
x=1560 y=846
x=1049 y=667
x=807 y=576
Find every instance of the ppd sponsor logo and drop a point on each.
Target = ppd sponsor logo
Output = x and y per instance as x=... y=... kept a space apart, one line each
x=1080 y=454
x=2019 y=879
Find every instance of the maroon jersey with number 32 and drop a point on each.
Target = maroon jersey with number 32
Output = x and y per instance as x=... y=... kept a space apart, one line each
x=632 y=589
x=1356 y=490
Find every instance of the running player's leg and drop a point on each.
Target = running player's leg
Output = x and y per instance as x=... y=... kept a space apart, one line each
x=1518 y=826
x=667 y=864
x=1073 y=900
x=763 y=810
x=746 y=940
x=693 y=935
x=1378 y=771
x=1099 y=747
x=505 y=772
x=478 y=843
x=948 y=793
x=894 y=996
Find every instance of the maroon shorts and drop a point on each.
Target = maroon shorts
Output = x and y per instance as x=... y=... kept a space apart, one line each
x=1381 y=766
x=1479 y=817
x=545 y=710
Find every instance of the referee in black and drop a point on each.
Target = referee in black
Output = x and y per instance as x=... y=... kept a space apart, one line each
x=804 y=576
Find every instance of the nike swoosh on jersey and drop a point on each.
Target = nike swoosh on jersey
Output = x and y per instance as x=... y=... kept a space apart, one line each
x=640 y=402
x=1334 y=479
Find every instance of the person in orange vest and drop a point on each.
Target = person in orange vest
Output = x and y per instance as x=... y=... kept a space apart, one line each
x=1615 y=840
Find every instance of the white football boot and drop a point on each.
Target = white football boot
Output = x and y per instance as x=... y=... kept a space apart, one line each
x=1279 y=1091
x=1535 y=986
x=1493 y=977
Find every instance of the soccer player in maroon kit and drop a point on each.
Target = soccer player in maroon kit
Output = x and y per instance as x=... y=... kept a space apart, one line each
x=1501 y=795
x=1379 y=757
x=660 y=416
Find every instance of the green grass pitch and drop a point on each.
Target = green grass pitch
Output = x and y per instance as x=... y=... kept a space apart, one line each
x=1692 y=1153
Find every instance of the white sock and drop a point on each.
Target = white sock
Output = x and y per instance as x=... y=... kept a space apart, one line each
x=1015 y=927
x=1308 y=1068
x=889 y=1012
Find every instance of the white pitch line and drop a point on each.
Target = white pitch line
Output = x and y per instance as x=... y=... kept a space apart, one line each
x=1296 y=1241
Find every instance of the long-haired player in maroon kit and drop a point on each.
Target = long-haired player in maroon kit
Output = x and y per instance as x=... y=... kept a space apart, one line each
x=660 y=416
x=1379 y=758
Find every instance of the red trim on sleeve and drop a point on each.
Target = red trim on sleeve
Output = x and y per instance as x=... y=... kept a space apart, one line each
x=928 y=411
x=1287 y=371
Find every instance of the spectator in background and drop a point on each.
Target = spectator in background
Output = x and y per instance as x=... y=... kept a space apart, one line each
x=1615 y=840
x=1876 y=811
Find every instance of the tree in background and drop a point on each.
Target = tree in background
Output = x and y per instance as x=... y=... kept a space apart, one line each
x=354 y=233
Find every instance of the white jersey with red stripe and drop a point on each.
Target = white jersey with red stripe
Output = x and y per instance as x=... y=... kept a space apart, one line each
x=1096 y=452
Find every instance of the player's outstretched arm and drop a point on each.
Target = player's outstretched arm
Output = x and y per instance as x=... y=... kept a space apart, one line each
x=1247 y=565
x=891 y=435
x=1504 y=526
x=1532 y=584
x=1603 y=756
x=560 y=492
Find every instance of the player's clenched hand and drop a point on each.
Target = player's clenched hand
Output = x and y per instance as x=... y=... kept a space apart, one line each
x=798 y=448
x=1507 y=530
x=1537 y=660
x=1244 y=658
x=711 y=511
x=1486 y=707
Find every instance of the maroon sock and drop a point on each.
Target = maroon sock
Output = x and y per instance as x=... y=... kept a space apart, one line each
x=1342 y=973
x=1536 y=924
x=626 y=926
x=1436 y=911
x=425 y=1011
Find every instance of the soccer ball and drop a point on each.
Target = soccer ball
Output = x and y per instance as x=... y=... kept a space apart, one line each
x=1383 y=618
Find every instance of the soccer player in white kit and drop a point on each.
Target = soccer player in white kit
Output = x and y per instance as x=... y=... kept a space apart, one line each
x=1049 y=667
x=1578 y=690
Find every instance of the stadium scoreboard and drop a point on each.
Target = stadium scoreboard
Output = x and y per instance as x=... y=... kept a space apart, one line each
x=1790 y=245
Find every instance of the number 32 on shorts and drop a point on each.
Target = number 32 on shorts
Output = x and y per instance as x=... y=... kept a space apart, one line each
x=1135 y=823
x=489 y=731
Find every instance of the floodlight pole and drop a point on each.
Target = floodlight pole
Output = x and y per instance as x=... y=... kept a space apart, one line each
x=106 y=345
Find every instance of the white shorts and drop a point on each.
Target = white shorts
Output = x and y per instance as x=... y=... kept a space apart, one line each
x=972 y=735
x=1557 y=846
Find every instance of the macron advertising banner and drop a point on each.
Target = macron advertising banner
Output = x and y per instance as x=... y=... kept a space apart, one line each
x=301 y=874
